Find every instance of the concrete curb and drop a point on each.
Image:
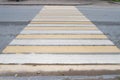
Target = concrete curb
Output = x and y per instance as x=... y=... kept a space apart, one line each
x=45 y=4
x=59 y=70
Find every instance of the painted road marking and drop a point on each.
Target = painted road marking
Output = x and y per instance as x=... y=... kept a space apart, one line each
x=62 y=36
x=57 y=22
x=60 y=42
x=59 y=59
x=60 y=19
x=65 y=25
x=47 y=17
x=59 y=14
x=69 y=11
x=61 y=28
x=61 y=49
x=61 y=7
x=61 y=32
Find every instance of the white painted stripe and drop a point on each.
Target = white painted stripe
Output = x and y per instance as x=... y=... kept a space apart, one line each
x=59 y=42
x=59 y=59
x=63 y=11
x=60 y=10
x=58 y=16
x=61 y=32
x=60 y=20
x=57 y=25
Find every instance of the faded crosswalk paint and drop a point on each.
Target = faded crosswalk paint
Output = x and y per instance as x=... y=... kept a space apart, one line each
x=61 y=22
x=60 y=42
x=64 y=25
x=79 y=36
x=62 y=49
x=60 y=28
x=61 y=32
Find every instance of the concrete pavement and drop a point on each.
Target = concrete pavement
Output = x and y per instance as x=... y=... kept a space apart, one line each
x=103 y=77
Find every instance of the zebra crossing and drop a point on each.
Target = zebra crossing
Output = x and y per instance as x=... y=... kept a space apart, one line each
x=61 y=30
x=63 y=27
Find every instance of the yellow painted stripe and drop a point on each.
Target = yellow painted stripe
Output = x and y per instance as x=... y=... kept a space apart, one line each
x=61 y=28
x=49 y=7
x=56 y=19
x=61 y=49
x=58 y=22
x=59 y=14
x=63 y=36
x=60 y=11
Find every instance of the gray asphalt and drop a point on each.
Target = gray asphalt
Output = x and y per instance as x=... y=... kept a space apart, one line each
x=18 y=13
x=101 y=14
x=107 y=19
x=14 y=18
x=101 y=77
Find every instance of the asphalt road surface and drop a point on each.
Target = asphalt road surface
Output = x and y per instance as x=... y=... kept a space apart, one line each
x=12 y=20
x=103 y=77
